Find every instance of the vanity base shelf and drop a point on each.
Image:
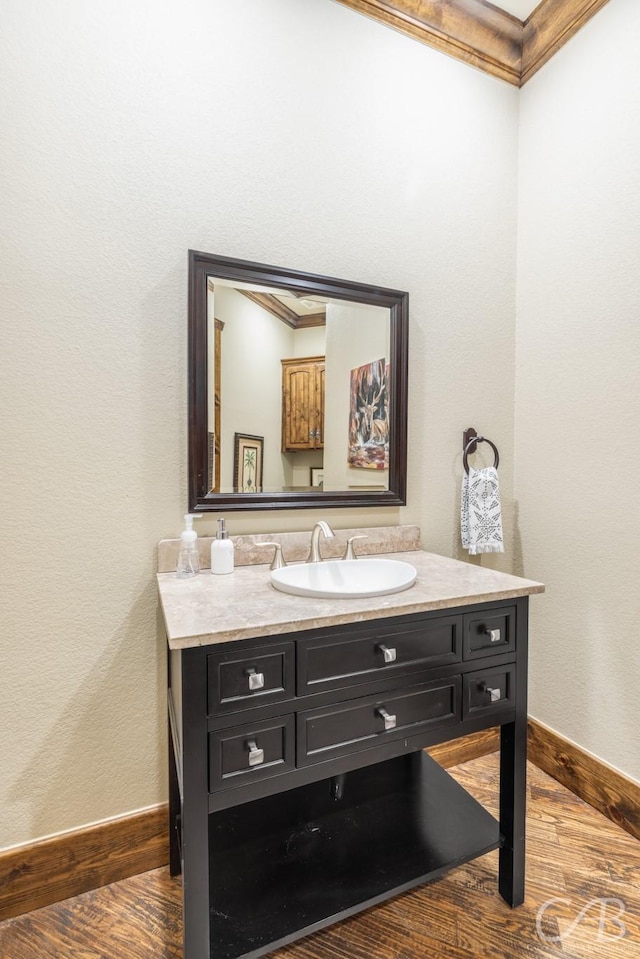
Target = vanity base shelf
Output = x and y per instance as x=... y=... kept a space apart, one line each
x=289 y=865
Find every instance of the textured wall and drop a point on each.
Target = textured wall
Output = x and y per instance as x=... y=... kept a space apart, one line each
x=578 y=383
x=356 y=335
x=294 y=133
x=253 y=343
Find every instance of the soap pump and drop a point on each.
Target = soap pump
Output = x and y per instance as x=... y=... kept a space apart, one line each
x=222 y=551
x=188 y=558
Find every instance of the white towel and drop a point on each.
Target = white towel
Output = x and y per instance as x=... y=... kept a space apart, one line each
x=480 y=513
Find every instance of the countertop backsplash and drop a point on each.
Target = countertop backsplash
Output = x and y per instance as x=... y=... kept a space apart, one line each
x=295 y=546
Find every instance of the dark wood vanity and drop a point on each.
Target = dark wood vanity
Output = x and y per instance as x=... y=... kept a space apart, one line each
x=299 y=789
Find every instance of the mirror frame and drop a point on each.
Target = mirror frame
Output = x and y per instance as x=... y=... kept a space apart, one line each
x=206 y=266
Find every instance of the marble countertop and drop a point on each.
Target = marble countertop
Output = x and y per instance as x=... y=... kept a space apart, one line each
x=242 y=605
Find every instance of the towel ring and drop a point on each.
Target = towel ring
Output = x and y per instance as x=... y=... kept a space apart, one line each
x=480 y=439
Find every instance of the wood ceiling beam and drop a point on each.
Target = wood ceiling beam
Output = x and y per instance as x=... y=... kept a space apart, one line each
x=482 y=35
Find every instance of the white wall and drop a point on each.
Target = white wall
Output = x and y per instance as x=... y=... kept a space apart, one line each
x=253 y=343
x=356 y=335
x=578 y=383
x=309 y=341
x=132 y=132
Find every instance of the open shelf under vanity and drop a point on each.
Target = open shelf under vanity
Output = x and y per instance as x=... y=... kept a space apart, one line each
x=288 y=865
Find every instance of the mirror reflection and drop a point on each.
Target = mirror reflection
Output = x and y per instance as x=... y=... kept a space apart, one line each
x=297 y=388
x=298 y=391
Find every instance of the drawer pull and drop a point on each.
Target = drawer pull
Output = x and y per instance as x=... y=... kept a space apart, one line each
x=493 y=693
x=390 y=721
x=493 y=634
x=256 y=680
x=256 y=755
x=389 y=653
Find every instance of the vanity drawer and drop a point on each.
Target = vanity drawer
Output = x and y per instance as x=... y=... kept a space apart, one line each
x=360 y=724
x=243 y=678
x=339 y=659
x=488 y=690
x=246 y=753
x=490 y=633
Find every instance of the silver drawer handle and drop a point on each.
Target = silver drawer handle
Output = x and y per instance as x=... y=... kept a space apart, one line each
x=256 y=755
x=390 y=721
x=493 y=634
x=389 y=653
x=493 y=693
x=256 y=680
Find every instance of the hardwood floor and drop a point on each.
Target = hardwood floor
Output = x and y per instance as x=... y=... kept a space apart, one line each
x=576 y=856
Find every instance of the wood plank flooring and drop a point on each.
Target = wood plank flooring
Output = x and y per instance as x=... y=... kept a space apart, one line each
x=576 y=857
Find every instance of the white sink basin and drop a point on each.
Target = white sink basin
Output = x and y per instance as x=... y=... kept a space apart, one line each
x=344 y=579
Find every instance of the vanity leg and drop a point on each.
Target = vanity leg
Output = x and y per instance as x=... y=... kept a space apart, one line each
x=513 y=778
x=513 y=793
x=175 y=865
x=195 y=806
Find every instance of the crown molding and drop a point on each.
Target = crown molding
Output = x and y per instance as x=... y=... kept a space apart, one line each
x=281 y=312
x=469 y=30
x=485 y=36
x=272 y=305
x=549 y=27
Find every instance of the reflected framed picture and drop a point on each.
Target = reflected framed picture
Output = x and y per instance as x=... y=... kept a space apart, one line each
x=317 y=476
x=247 y=463
x=369 y=416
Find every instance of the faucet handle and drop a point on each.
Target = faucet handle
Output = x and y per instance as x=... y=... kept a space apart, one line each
x=349 y=552
x=278 y=561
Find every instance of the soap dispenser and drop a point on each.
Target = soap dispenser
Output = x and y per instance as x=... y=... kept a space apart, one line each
x=222 y=551
x=188 y=558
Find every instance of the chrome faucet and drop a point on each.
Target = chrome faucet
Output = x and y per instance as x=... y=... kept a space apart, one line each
x=320 y=527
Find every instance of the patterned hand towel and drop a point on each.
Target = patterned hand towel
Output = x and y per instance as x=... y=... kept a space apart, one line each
x=480 y=513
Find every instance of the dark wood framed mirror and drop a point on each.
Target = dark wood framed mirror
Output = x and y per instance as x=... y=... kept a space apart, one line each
x=310 y=372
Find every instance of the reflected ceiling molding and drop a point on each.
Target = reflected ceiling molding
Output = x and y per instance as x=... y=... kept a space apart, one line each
x=273 y=306
x=485 y=36
x=312 y=319
x=278 y=309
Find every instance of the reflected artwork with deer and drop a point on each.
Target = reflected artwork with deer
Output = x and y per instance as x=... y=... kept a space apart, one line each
x=369 y=416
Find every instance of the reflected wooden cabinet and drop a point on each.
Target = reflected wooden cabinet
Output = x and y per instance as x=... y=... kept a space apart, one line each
x=303 y=403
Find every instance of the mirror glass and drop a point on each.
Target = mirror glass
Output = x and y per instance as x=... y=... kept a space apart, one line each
x=297 y=388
